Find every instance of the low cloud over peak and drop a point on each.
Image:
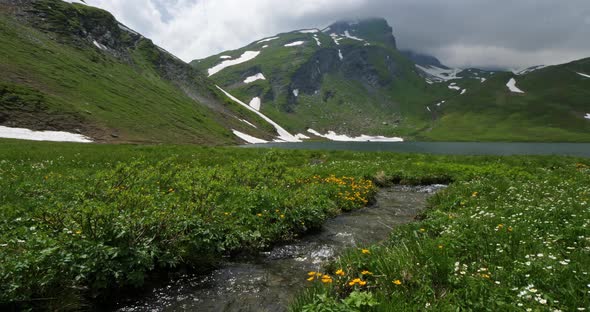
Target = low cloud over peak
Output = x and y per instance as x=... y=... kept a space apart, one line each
x=461 y=33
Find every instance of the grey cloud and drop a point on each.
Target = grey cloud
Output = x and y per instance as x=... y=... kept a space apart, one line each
x=459 y=32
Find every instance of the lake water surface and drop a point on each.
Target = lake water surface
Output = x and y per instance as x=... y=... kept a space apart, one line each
x=449 y=148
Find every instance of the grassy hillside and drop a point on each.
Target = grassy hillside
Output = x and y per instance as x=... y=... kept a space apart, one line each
x=72 y=67
x=551 y=109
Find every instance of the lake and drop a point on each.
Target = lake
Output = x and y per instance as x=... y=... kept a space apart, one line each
x=448 y=148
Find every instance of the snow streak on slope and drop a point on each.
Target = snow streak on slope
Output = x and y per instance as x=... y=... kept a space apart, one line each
x=348 y=35
x=267 y=39
x=248 y=138
x=584 y=75
x=587 y=116
x=317 y=40
x=55 y=136
x=100 y=46
x=512 y=86
x=294 y=44
x=524 y=71
x=332 y=136
x=247 y=56
x=309 y=31
x=284 y=135
x=251 y=79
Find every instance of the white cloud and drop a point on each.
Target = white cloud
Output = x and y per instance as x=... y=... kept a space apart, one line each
x=522 y=33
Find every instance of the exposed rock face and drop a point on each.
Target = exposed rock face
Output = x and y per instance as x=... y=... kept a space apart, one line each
x=356 y=65
x=373 y=29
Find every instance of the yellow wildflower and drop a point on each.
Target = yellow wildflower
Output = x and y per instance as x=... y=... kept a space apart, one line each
x=474 y=194
x=365 y=272
x=312 y=273
x=397 y=282
x=310 y=279
x=340 y=272
x=365 y=251
x=422 y=230
x=362 y=283
x=259 y=214
x=485 y=276
x=440 y=246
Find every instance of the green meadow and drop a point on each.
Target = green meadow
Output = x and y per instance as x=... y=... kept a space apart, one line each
x=81 y=222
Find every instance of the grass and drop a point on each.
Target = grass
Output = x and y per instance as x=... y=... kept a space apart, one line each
x=551 y=109
x=77 y=86
x=79 y=223
x=506 y=241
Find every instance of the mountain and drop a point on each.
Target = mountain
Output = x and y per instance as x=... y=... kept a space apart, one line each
x=423 y=59
x=539 y=104
x=72 y=67
x=348 y=78
x=75 y=68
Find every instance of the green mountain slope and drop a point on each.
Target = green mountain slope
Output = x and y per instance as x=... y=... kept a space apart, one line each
x=552 y=107
x=74 y=68
x=349 y=78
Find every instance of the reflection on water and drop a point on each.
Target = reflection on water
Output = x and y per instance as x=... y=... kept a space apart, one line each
x=270 y=280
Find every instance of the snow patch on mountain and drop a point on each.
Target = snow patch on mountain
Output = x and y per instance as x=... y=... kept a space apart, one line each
x=31 y=135
x=248 y=138
x=454 y=86
x=463 y=91
x=267 y=40
x=256 y=77
x=284 y=135
x=512 y=86
x=248 y=123
x=100 y=46
x=309 y=31
x=255 y=103
x=294 y=44
x=437 y=74
x=349 y=36
x=483 y=80
x=302 y=136
x=527 y=70
x=317 y=40
x=332 y=136
x=583 y=75
x=336 y=38
x=587 y=116
x=296 y=92
x=225 y=57
x=245 y=57
x=340 y=55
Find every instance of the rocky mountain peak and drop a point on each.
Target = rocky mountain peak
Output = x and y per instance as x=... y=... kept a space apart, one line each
x=371 y=29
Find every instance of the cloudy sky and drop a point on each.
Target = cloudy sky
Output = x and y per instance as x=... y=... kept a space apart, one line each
x=505 y=33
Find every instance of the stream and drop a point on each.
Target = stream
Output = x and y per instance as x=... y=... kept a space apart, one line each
x=270 y=280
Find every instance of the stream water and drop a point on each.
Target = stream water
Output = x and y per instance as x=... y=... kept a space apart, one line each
x=270 y=280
